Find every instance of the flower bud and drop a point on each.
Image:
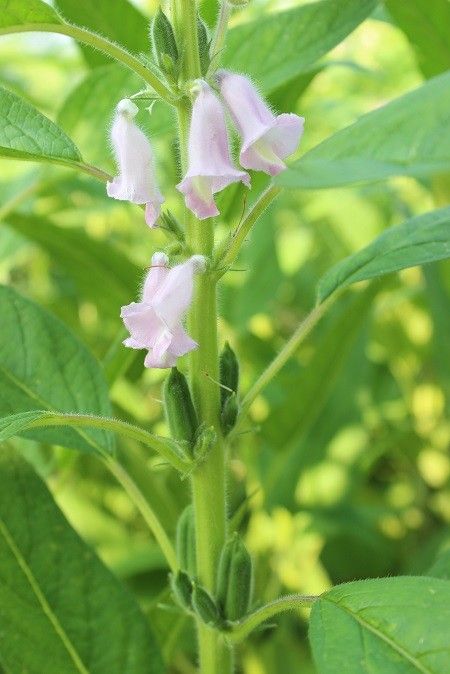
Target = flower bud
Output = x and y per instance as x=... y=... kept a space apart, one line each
x=229 y=413
x=205 y=606
x=185 y=541
x=204 y=43
x=163 y=43
x=179 y=408
x=205 y=441
x=235 y=578
x=229 y=373
x=182 y=588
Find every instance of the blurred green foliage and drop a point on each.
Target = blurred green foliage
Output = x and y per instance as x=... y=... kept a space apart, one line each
x=348 y=473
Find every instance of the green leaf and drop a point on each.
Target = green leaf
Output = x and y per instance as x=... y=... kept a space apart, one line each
x=44 y=366
x=25 y=133
x=20 y=12
x=423 y=239
x=100 y=272
x=62 y=611
x=119 y=21
x=383 y=626
x=407 y=137
x=278 y=47
x=88 y=110
x=426 y=24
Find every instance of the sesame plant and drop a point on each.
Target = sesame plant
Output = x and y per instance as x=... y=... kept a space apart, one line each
x=221 y=85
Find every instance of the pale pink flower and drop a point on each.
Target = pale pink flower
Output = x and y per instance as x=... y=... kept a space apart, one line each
x=136 y=181
x=155 y=323
x=267 y=139
x=210 y=168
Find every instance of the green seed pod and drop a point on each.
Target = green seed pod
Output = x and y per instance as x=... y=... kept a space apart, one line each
x=180 y=411
x=229 y=373
x=205 y=606
x=185 y=541
x=203 y=44
x=163 y=42
x=229 y=413
x=182 y=589
x=235 y=579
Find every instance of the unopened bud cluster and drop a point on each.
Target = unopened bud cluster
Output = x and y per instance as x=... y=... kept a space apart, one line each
x=231 y=600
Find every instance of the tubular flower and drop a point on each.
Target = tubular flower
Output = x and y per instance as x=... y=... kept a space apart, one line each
x=210 y=168
x=267 y=139
x=155 y=323
x=136 y=180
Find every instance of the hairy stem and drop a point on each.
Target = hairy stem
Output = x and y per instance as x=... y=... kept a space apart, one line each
x=102 y=44
x=208 y=480
x=229 y=250
x=242 y=629
x=281 y=359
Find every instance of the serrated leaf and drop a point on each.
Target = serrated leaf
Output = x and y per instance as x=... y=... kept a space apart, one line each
x=43 y=365
x=25 y=133
x=25 y=12
x=423 y=239
x=100 y=272
x=280 y=46
x=119 y=21
x=61 y=609
x=383 y=626
x=426 y=24
x=407 y=137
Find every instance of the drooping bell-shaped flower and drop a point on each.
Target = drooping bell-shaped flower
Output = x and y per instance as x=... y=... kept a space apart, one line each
x=267 y=139
x=136 y=181
x=155 y=323
x=210 y=168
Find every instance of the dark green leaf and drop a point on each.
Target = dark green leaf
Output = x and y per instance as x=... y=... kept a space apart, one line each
x=25 y=133
x=62 y=611
x=421 y=240
x=426 y=24
x=408 y=136
x=278 y=47
x=44 y=366
x=383 y=626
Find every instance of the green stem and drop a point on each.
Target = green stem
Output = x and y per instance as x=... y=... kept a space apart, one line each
x=218 y=40
x=45 y=419
x=102 y=44
x=242 y=629
x=146 y=511
x=208 y=480
x=281 y=359
x=228 y=251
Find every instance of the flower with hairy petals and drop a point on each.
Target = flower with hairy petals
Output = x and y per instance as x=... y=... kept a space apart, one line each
x=136 y=181
x=155 y=323
x=210 y=168
x=267 y=139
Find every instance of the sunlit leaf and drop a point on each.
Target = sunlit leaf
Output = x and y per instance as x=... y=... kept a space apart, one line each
x=25 y=133
x=421 y=240
x=276 y=48
x=407 y=137
x=25 y=12
x=426 y=23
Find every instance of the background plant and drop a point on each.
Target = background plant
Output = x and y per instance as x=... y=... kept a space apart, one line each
x=350 y=453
